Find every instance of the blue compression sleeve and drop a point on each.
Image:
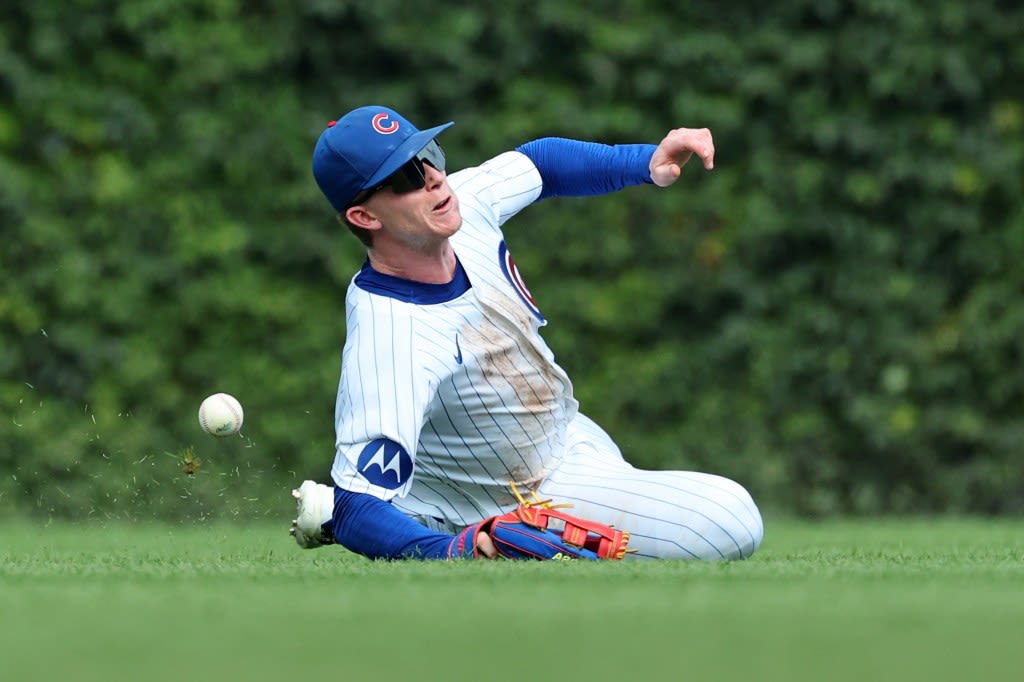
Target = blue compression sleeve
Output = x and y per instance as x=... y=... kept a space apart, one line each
x=571 y=168
x=376 y=529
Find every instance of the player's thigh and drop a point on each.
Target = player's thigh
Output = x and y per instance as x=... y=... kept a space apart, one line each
x=669 y=514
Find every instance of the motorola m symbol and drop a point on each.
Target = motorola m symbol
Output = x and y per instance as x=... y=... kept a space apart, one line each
x=385 y=463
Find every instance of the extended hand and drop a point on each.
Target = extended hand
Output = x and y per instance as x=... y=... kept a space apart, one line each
x=676 y=149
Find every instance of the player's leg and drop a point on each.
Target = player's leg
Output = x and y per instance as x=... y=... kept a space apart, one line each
x=669 y=514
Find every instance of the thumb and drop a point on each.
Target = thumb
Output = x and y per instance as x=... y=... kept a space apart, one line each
x=485 y=545
x=665 y=174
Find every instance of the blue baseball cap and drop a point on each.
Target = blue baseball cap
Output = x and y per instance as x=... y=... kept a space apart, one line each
x=362 y=148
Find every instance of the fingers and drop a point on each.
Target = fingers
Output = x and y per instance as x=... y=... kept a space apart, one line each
x=676 y=149
x=696 y=141
x=708 y=156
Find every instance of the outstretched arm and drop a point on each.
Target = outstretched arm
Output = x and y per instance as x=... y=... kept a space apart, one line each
x=376 y=529
x=576 y=168
x=536 y=529
x=571 y=168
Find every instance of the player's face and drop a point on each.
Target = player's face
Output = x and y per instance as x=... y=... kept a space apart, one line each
x=419 y=217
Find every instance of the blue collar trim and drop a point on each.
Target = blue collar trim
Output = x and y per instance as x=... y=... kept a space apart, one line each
x=409 y=291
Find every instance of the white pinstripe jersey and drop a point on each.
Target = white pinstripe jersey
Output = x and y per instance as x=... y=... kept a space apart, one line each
x=445 y=398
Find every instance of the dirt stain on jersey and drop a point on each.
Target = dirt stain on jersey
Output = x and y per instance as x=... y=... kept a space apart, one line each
x=506 y=350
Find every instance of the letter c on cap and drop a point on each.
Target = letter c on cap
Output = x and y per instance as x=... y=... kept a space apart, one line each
x=384 y=128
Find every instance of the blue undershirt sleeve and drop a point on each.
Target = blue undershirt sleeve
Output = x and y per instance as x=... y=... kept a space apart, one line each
x=571 y=168
x=374 y=528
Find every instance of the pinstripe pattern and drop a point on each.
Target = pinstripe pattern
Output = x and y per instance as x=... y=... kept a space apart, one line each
x=669 y=514
x=469 y=389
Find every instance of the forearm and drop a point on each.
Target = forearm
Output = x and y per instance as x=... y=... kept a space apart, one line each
x=376 y=529
x=575 y=168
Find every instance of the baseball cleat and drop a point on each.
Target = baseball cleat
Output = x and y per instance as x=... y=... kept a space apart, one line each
x=315 y=503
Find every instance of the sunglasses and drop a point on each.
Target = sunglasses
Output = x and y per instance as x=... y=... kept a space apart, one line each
x=410 y=176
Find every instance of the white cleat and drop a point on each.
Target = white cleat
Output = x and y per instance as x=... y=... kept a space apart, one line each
x=315 y=503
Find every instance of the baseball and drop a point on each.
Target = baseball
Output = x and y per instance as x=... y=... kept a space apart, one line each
x=221 y=415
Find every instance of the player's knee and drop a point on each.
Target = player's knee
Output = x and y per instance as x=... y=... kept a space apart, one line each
x=740 y=521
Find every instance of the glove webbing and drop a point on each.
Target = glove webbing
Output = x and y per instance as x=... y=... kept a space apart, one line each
x=599 y=538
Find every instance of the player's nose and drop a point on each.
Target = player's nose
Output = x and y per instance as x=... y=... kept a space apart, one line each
x=432 y=177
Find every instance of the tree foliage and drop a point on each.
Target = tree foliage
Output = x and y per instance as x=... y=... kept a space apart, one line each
x=832 y=316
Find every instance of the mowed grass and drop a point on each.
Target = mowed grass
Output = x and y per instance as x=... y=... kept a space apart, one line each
x=868 y=600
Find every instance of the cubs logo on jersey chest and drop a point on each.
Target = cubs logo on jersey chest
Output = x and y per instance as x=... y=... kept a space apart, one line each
x=511 y=272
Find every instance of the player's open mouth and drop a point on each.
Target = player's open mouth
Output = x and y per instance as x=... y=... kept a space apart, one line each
x=442 y=205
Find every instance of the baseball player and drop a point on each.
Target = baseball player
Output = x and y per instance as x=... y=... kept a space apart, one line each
x=452 y=416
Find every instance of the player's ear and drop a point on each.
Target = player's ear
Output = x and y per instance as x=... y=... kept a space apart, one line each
x=360 y=216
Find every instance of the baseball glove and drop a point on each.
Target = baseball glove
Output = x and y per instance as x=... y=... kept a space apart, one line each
x=538 y=530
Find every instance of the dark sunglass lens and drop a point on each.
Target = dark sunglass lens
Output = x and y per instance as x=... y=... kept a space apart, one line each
x=411 y=176
x=432 y=154
x=408 y=178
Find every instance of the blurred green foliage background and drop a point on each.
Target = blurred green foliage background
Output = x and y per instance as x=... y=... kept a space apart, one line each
x=833 y=316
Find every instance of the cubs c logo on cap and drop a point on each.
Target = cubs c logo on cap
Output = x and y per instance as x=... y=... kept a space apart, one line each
x=384 y=128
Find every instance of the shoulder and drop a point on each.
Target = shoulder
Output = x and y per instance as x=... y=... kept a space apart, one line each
x=511 y=172
x=498 y=188
x=505 y=166
x=509 y=175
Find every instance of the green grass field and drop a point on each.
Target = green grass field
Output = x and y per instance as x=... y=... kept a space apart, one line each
x=870 y=600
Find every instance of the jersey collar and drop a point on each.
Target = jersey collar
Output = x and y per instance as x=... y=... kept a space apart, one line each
x=409 y=291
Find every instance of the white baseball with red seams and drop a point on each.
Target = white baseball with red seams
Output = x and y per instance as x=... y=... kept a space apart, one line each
x=221 y=415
